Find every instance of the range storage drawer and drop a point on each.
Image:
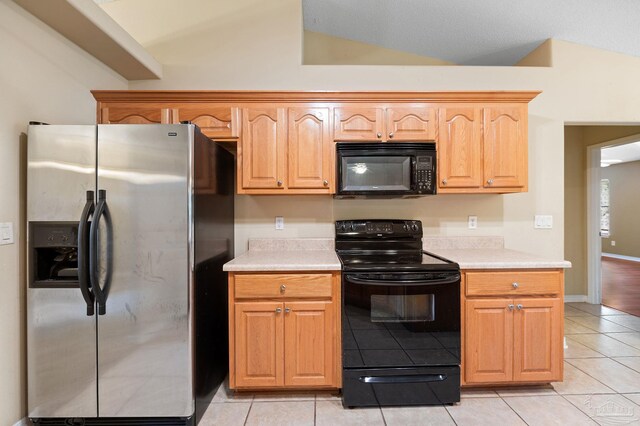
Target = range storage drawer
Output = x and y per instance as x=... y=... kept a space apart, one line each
x=282 y=285
x=513 y=283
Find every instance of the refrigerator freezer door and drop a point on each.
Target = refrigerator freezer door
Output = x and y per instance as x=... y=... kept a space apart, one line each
x=61 y=338
x=145 y=365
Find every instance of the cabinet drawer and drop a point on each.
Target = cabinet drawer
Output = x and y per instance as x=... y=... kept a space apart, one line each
x=282 y=285
x=513 y=283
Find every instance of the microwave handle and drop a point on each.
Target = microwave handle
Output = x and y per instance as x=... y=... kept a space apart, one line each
x=414 y=173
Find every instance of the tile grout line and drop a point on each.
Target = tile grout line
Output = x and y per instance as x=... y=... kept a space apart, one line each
x=246 y=419
x=511 y=408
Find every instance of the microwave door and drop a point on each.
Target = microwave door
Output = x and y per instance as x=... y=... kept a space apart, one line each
x=381 y=175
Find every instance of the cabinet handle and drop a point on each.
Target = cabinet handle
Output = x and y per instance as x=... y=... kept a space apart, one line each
x=279 y=183
x=379 y=134
x=490 y=181
x=391 y=135
x=325 y=182
x=283 y=288
x=287 y=310
x=515 y=285
x=510 y=306
x=278 y=310
x=519 y=307
x=444 y=181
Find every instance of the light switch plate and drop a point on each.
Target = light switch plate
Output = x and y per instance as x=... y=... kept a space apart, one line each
x=279 y=222
x=542 y=221
x=6 y=233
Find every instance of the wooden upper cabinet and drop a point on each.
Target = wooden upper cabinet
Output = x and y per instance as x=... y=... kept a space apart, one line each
x=309 y=349
x=460 y=148
x=310 y=149
x=358 y=124
x=262 y=151
x=489 y=341
x=259 y=344
x=410 y=124
x=537 y=339
x=505 y=146
x=217 y=122
x=136 y=114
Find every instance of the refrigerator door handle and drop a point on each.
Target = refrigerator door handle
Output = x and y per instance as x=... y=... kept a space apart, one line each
x=83 y=254
x=101 y=292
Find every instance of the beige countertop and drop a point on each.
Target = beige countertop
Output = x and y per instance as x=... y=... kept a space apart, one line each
x=293 y=254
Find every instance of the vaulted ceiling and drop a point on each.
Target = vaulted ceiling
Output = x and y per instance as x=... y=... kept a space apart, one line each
x=487 y=32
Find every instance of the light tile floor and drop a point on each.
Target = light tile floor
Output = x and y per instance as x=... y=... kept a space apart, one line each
x=601 y=386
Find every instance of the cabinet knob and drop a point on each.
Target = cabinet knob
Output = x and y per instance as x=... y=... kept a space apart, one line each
x=287 y=310
x=519 y=306
x=515 y=285
x=278 y=310
x=279 y=183
x=490 y=181
x=325 y=182
x=379 y=134
x=283 y=288
x=391 y=135
x=510 y=306
x=444 y=181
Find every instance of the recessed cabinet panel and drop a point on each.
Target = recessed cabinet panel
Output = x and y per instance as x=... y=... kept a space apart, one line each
x=309 y=148
x=136 y=114
x=505 y=147
x=411 y=124
x=263 y=145
x=460 y=148
x=358 y=124
x=216 y=122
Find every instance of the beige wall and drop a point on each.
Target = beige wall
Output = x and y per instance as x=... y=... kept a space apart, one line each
x=624 y=205
x=323 y=49
x=43 y=77
x=577 y=139
x=258 y=45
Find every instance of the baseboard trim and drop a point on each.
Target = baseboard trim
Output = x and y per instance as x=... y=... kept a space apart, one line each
x=22 y=422
x=573 y=298
x=621 y=256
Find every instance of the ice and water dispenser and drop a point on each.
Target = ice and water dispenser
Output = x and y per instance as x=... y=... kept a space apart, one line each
x=53 y=254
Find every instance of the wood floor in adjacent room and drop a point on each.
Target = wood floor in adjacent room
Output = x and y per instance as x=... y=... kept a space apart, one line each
x=621 y=285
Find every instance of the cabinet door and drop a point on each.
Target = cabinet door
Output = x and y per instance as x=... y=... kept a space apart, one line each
x=505 y=147
x=259 y=344
x=310 y=342
x=411 y=124
x=310 y=148
x=489 y=341
x=136 y=114
x=358 y=124
x=460 y=148
x=537 y=339
x=218 y=122
x=262 y=149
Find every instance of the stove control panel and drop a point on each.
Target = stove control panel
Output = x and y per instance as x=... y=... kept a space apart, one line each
x=379 y=228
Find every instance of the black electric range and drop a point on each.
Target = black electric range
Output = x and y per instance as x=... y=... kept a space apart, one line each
x=400 y=316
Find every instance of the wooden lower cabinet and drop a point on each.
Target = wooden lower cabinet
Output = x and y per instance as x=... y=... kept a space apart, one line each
x=284 y=334
x=511 y=340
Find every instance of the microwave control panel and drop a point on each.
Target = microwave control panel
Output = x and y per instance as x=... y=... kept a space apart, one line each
x=424 y=171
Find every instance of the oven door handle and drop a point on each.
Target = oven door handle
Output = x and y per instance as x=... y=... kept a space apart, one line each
x=366 y=281
x=413 y=378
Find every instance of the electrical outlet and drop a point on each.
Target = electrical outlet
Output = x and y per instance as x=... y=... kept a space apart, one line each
x=6 y=233
x=543 y=221
x=279 y=222
x=473 y=222
x=613 y=243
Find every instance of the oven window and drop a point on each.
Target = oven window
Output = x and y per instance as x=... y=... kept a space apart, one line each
x=376 y=173
x=402 y=308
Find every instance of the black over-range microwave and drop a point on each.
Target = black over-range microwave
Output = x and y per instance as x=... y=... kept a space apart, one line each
x=380 y=169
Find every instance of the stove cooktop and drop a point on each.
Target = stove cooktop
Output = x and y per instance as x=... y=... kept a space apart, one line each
x=414 y=261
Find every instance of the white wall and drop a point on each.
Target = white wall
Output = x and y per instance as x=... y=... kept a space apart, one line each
x=247 y=44
x=43 y=77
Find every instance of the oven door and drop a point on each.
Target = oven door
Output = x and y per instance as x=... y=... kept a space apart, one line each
x=401 y=319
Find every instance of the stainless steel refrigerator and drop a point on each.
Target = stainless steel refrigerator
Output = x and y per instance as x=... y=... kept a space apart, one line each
x=128 y=228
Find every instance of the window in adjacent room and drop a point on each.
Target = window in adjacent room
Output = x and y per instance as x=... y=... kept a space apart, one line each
x=604 y=208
